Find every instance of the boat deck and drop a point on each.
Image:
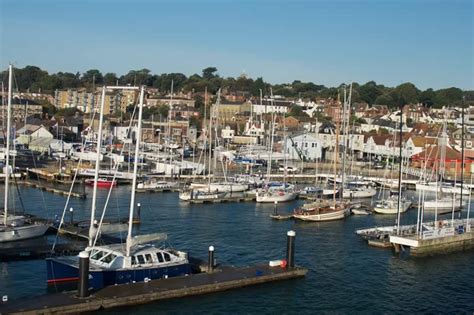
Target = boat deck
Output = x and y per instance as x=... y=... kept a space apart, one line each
x=222 y=279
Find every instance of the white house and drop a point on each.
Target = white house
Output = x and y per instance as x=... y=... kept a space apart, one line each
x=305 y=146
x=269 y=106
x=227 y=133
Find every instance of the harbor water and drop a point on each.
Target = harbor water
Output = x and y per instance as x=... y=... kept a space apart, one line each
x=345 y=275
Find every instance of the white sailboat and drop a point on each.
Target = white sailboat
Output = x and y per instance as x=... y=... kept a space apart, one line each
x=280 y=192
x=137 y=260
x=15 y=227
x=390 y=205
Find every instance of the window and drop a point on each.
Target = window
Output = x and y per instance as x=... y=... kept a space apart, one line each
x=148 y=259
x=306 y=145
x=160 y=257
x=313 y=145
x=98 y=255
x=134 y=261
x=167 y=256
x=109 y=258
x=140 y=259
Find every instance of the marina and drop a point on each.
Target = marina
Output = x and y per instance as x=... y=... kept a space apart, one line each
x=333 y=175
x=314 y=245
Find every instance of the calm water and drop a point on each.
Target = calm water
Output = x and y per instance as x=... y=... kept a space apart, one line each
x=345 y=275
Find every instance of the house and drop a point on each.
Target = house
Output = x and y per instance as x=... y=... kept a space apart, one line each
x=305 y=147
x=227 y=133
x=359 y=109
x=29 y=132
x=272 y=106
x=430 y=158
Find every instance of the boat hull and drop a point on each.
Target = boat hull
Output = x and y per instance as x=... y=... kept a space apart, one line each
x=392 y=208
x=64 y=270
x=276 y=196
x=335 y=215
x=19 y=233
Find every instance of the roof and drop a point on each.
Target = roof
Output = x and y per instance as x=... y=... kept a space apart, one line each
x=423 y=141
x=40 y=142
x=380 y=139
x=433 y=153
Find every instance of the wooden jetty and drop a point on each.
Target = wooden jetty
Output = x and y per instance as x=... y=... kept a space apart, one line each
x=206 y=280
x=223 y=279
x=27 y=252
x=154 y=190
x=52 y=189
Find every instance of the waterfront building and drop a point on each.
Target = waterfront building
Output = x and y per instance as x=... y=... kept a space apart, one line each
x=305 y=146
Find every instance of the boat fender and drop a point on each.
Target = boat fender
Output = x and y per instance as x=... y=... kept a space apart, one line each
x=146 y=280
x=283 y=263
x=5 y=298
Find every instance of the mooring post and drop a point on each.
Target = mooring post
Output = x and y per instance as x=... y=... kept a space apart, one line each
x=275 y=208
x=210 y=263
x=71 y=212
x=290 y=249
x=83 y=288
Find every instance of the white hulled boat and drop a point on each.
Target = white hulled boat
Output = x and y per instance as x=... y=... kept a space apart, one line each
x=390 y=205
x=15 y=227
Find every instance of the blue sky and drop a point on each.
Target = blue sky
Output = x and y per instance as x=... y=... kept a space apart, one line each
x=429 y=43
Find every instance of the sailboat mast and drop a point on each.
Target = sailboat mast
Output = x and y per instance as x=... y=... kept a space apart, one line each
x=400 y=173
x=462 y=156
x=92 y=230
x=135 y=168
x=7 y=149
x=344 y=138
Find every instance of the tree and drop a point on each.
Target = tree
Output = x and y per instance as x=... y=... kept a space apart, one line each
x=209 y=73
x=92 y=76
x=405 y=93
x=369 y=92
x=427 y=97
x=110 y=78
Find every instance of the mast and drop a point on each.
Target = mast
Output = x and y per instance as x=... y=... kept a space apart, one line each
x=7 y=149
x=3 y=108
x=211 y=114
x=135 y=168
x=400 y=173
x=92 y=230
x=462 y=156
x=344 y=137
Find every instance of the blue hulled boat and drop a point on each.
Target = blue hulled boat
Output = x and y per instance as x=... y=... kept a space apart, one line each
x=109 y=265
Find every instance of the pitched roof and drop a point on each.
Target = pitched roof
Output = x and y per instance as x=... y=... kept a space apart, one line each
x=433 y=153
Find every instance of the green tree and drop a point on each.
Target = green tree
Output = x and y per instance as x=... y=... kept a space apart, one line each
x=209 y=73
x=405 y=93
x=92 y=76
x=110 y=78
x=369 y=92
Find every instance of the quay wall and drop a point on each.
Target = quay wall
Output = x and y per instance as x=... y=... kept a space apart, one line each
x=444 y=245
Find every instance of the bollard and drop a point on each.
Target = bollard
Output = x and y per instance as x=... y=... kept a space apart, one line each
x=290 y=249
x=210 y=263
x=275 y=208
x=83 y=287
x=71 y=212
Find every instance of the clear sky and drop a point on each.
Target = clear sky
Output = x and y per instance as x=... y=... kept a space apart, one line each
x=427 y=42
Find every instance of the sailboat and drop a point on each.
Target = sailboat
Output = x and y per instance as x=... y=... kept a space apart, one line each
x=15 y=227
x=276 y=192
x=321 y=210
x=444 y=202
x=137 y=260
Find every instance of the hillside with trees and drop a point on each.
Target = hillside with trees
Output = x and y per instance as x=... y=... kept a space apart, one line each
x=34 y=79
